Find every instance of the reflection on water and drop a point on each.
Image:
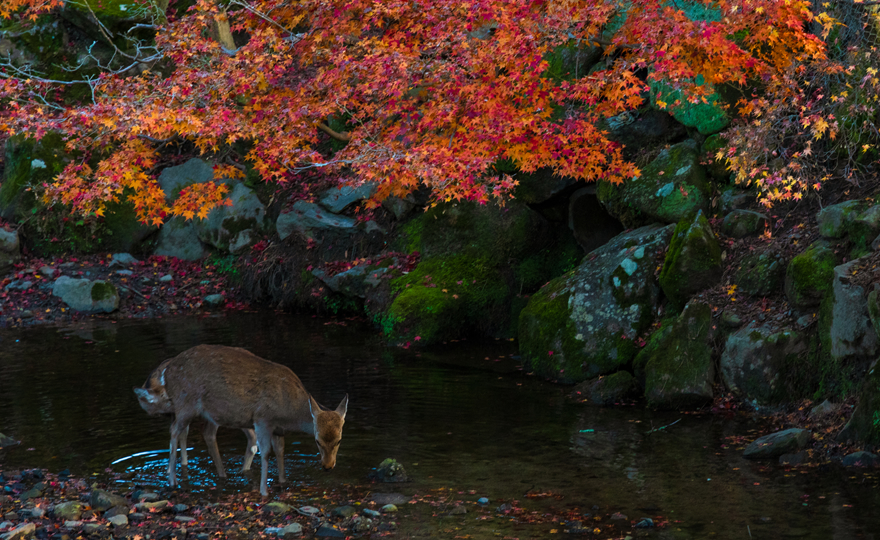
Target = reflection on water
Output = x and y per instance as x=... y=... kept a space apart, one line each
x=461 y=417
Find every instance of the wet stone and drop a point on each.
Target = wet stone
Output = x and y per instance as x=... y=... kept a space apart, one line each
x=119 y=520
x=72 y=524
x=184 y=519
x=292 y=529
x=309 y=510
x=389 y=509
x=861 y=459
x=389 y=498
x=276 y=507
x=121 y=510
x=371 y=513
x=777 y=444
x=180 y=508
x=329 y=531
x=344 y=511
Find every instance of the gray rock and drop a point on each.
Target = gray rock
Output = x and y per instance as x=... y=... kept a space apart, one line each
x=361 y=525
x=309 y=510
x=312 y=222
x=734 y=199
x=33 y=493
x=852 y=335
x=10 y=251
x=389 y=498
x=742 y=223
x=276 y=507
x=643 y=128
x=102 y=500
x=69 y=511
x=761 y=274
x=73 y=524
x=184 y=519
x=339 y=198
x=214 y=299
x=86 y=295
x=19 y=285
x=48 y=271
x=343 y=511
x=153 y=506
x=731 y=320
x=824 y=408
x=92 y=528
x=399 y=207
x=122 y=259
x=180 y=238
x=173 y=179
x=757 y=362
x=25 y=530
x=833 y=219
x=863 y=426
x=326 y=530
x=861 y=459
x=610 y=298
x=354 y=282
x=777 y=444
x=119 y=521
x=234 y=228
x=120 y=510
x=180 y=508
x=606 y=390
x=390 y=471
x=292 y=529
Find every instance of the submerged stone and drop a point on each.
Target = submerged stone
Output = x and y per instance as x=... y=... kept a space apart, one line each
x=777 y=444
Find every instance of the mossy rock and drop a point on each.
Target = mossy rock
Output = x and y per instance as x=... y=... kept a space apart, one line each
x=677 y=361
x=672 y=187
x=864 y=425
x=809 y=275
x=693 y=262
x=761 y=274
x=29 y=163
x=767 y=366
x=856 y=220
x=743 y=223
x=607 y=390
x=583 y=324
x=708 y=118
x=717 y=168
x=445 y=297
x=834 y=219
x=487 y=258
x=874 y=309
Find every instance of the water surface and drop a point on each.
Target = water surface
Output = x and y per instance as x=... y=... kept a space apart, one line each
x=462 y=418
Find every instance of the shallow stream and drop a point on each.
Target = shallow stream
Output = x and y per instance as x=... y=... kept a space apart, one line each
x=461 y=418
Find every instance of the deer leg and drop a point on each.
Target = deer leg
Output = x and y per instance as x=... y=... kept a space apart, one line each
x=264 y=443
x=179 y=428
x=210 y=435
x=251 y=449
x=278 y=447
x=181 y=441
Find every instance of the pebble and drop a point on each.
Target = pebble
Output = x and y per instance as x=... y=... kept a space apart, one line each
x=71 y=524
x=5 y=524
x=645 y=523
x=119 y=520
x=458 y=510
x=371 y=512
x=389 y=509
x=331 y=531
x=213 y=299
x=184 y=519
x=91 y=528
x=37 y=513
x=276 y=507
x=48 y=271
x=124 y=272
x=179 y=508
x=293 y=528
x=166 y=278
x=344 y=511
x=483 y=500
x=310 y=510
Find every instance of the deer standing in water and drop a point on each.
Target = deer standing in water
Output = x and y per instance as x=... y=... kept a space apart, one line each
x=229 y=386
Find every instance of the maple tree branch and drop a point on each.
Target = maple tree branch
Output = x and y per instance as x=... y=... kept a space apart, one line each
x=345 y=136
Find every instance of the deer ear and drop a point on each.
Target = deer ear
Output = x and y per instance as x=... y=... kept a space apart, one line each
x=314 y=408
x=343 y=407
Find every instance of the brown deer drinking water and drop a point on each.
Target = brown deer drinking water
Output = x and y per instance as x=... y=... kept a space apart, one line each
x=229 y=386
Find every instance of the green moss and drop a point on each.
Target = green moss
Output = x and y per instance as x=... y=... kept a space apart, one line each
x=809 y=276
x=547 y=333
x=834 y=379
x=693 y=261
x=445 y=296
x=101 y=290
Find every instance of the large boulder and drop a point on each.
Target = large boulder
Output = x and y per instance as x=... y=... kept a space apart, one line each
x=676 y=364
x=846 y=329
x=761 y=274
x=9 y=250
x=87 y=295
x=540 y=186
x=337 y=236
x=808 y=276
x=864 y=424
x=180 y=238
x=477 y=263
x=693 y=262
x=742 y=223
x=339 y=198
x=671 y=188
x=765 y=366
x=583 y=324
x=856 y=220
x=642 y=129
x=234 y=228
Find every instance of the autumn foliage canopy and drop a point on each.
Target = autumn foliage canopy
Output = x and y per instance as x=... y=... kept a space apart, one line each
x=429 y=93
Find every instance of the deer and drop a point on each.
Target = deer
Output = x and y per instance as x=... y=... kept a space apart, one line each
x=153 y=398
x=232 y=387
